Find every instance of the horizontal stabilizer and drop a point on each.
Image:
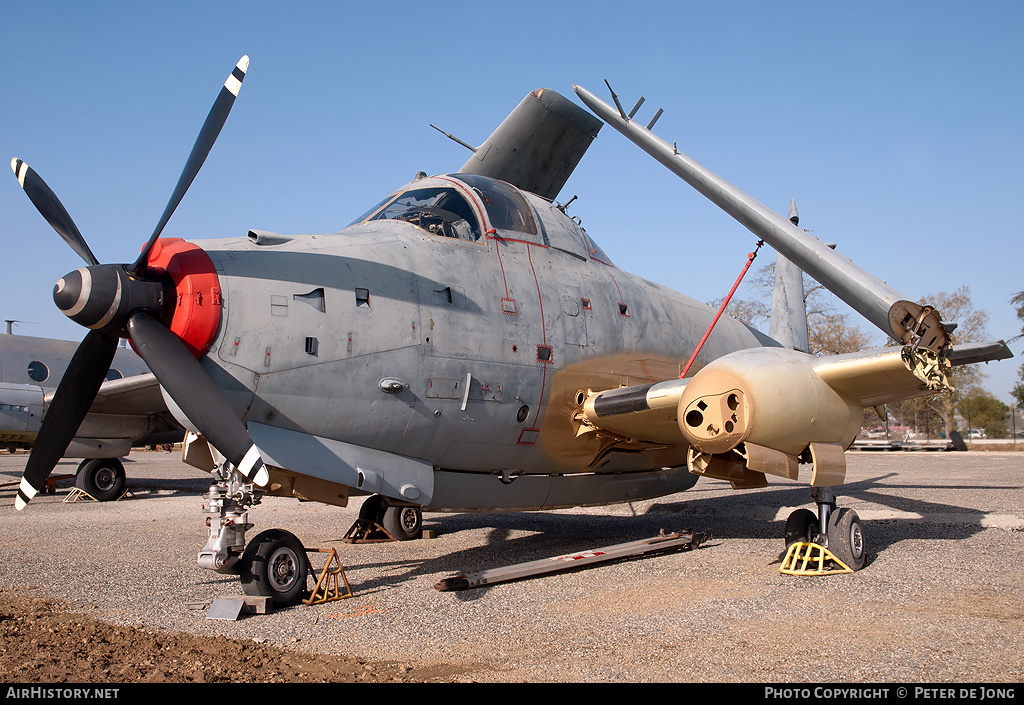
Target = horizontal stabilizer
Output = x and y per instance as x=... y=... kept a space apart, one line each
x=979 y=352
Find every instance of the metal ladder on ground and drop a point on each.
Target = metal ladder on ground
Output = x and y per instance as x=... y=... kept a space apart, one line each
x=662 y=543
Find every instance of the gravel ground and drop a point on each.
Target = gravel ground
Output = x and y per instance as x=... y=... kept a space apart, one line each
x=939 y=600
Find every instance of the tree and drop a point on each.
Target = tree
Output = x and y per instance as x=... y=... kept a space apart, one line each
x=1018 y=390
x=830 y=331
x=982 y=410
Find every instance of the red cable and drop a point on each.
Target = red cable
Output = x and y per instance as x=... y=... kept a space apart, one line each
x=750 y=260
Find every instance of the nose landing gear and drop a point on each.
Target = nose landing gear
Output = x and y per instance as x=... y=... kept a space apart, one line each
x=830 y=542
x=275 y=565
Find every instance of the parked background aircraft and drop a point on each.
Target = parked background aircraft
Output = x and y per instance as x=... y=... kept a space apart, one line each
x=30 y=370
x=465 y=345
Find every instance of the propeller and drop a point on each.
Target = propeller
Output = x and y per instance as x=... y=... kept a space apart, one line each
x=204 y=143
x=47 y=203
x=133 y=301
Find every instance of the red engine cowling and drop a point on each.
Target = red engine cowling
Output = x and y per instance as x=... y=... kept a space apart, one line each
x=197 y=309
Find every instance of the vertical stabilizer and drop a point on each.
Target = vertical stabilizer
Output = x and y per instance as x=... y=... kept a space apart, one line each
x=788 y=323
x=537 y=147
x=789 y=312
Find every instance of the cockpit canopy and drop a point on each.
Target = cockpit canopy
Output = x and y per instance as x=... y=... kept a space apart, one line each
x=465 y=206
x=442 y=206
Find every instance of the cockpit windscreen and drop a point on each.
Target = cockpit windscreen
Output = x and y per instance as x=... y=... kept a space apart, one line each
x=438 y=210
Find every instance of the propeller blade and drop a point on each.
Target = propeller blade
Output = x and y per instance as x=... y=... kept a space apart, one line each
x=75 y=393
x=47 y=203
x=196 y=395
x=204 y=143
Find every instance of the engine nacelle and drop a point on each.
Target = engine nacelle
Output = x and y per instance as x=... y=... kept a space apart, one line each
x=768 y=397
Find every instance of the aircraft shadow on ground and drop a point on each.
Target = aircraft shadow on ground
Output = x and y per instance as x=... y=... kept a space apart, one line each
x=742 y=514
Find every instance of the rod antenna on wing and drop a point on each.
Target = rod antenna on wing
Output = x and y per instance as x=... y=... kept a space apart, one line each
x=636 y=107
x=617 y=103
x=453 y=138
x=633 y=112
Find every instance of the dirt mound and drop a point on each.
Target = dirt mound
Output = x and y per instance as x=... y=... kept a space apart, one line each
x=42 y=642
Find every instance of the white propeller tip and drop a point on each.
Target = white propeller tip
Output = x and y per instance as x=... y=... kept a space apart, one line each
x=262 y=477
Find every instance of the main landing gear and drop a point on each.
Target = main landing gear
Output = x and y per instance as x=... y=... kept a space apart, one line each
x=399 y=522
x=103 y=479
x=832 y=533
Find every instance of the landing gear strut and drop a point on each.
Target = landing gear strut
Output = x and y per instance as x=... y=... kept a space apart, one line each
x=838 y=530
x=274 y=564
x=227 y=505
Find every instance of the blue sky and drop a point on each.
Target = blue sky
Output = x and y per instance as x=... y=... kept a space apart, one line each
x=896 y=126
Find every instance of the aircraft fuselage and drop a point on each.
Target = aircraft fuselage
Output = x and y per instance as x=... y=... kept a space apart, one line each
x=471 y=351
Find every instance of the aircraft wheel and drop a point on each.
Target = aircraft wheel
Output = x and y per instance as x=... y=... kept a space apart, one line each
x=103 y=479
x=802 y=525
x=373 y=509
x=404 y=523
x=846 y=538
x=274 y=565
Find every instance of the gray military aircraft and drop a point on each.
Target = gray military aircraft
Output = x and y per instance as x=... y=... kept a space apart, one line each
x=465 y=345
x=30 y=370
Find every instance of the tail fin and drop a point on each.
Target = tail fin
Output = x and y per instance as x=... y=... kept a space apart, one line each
x=537 y=147
x=788 y=324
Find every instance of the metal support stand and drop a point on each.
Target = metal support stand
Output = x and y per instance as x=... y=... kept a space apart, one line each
x=326 y=589
x=365 y=531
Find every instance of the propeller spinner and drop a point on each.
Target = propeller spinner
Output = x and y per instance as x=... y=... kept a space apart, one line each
x=136 y=301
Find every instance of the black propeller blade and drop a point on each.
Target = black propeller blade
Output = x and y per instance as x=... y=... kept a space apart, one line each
x=78 y=387
x=196 y=395
x=47 y=203
x=103 y=298
x=204 y=143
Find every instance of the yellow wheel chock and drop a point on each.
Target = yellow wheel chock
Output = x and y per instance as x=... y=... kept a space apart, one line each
x=77 y=494
x=326 y=589
x=806 y=558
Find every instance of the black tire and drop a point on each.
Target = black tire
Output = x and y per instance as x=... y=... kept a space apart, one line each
x=373 y=509
x=846 y=538
x=103 y=479
x=404 y=523
x=275 y=565
x=802 y=525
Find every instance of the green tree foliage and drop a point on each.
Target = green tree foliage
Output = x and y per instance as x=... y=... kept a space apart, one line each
x=982 y=410
x=830 y=330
